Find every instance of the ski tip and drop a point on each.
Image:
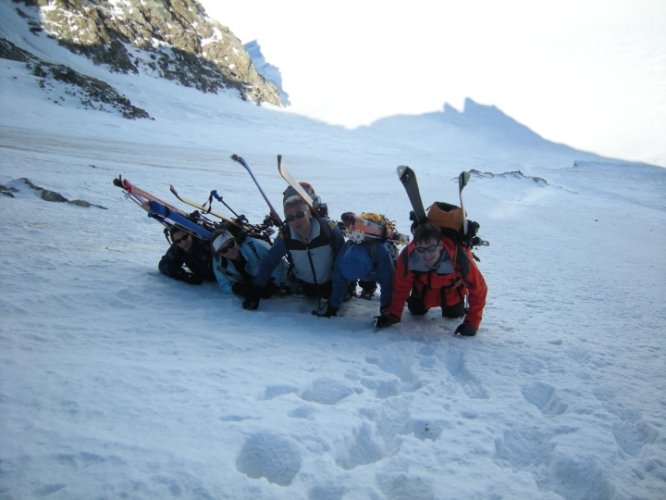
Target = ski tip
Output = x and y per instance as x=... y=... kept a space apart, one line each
x=123 y=183
x=279 y=159
x=463 y=178
x=404 y=171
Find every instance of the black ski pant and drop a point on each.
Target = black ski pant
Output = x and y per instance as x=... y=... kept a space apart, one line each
x=417 y=306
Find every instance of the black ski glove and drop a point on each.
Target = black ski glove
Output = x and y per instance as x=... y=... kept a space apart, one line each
x=242 y=288
x=190 y=278
x=327 y=313
x=251 y=303
x=384 y=320
x=466 y=330
x=252 y=298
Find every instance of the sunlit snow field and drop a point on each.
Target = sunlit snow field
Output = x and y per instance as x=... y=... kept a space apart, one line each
x=117 y=382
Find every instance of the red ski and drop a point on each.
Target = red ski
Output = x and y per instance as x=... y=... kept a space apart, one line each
x=141 y=197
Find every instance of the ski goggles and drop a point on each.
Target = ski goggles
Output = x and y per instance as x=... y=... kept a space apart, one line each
x=293 y=217
x=222 y=243
x=227 y=247
x=428 y=249
x=181 y=240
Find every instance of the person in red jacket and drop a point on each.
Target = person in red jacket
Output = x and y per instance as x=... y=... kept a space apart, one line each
x=435 y=271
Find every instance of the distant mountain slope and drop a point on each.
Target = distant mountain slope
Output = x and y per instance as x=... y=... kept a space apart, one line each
x=477 y=133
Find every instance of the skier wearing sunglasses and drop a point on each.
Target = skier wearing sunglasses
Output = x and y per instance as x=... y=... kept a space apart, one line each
x=435 y=271
x=311 y=245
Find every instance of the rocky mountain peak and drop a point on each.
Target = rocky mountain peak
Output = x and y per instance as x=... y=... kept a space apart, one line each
x=172 y=39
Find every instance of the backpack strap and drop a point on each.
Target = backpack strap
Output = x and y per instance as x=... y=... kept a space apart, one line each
x=325 y=229
x=404 y=255
x=323 y=224
x=253 y=247
x=462 y=259
x=372 y=250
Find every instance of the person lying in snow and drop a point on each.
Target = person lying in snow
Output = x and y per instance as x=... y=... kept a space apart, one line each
x=312 y=245
x=370 y=261
x=187 y=250
x=236 y=262
x=435 y=271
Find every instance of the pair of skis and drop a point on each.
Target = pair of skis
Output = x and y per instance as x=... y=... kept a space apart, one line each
x=164 y=212
x=286 y=175
x=273 y=213
x=169 y=215
x=239 y=223
x=408 y=179
x=195 y=223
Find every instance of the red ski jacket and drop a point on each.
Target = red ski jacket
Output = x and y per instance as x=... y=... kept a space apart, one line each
x=454 y=279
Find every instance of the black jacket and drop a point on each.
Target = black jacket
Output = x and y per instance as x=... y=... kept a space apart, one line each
x=198 y=260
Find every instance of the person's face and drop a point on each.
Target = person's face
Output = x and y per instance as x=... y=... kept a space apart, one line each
x=429 y=251
x=229 y=250
x=182 y=239
x=298 y=217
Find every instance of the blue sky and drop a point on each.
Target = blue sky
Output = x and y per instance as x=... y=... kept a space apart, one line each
x=588 y=73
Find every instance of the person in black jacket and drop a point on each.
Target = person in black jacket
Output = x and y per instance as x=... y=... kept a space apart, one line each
x=186 y=250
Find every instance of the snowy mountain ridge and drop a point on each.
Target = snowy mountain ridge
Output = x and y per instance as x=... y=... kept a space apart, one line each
x=466 y=137
x=170 y=40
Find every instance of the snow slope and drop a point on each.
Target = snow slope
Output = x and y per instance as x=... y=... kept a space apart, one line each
x=116 y=382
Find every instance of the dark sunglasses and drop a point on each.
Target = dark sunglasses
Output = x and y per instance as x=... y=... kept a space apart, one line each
x=180 y=240
x=229 y=246
x=428 y=249
x=297 y=215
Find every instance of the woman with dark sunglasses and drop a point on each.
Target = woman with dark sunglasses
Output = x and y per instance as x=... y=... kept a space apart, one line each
x=188 y=258
x=236 y=261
